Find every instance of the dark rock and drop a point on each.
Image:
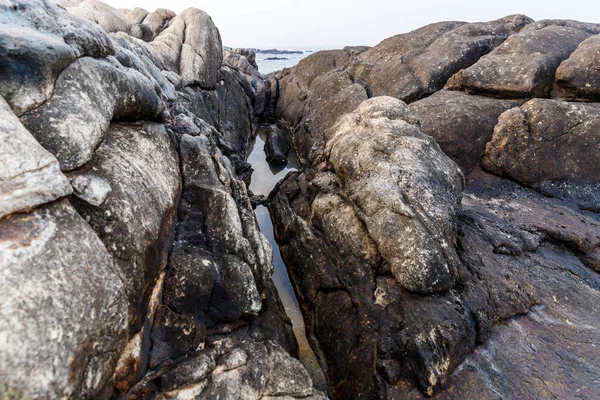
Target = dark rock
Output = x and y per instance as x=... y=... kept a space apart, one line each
x=460 y=123
x=275 y=58
x=277 y=146
x=135 y=228
x=578 y=77
x=550 y=145
x=523 y=66
x=413 y=65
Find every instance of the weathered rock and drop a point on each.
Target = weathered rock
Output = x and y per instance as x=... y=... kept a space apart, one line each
x=61 y=331
x=578 y=77
x=191 y=46
x=413 y=65
x=384 y=135
x=137 y=15
x=550 y=145
x=248 y=370
x=88 y=95
x=136 y=218
x=523 y=66
x=39 y=41
x=158 y=20
x=460 y=123
x=110 y=19
x=276 y=146
x=29 y=175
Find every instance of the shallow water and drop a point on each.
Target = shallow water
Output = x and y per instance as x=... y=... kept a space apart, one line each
x=264 y=179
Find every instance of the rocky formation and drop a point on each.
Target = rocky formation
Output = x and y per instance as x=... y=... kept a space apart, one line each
x=131 y=262
x=442 y=236
x=277 y=146
x=413 y=285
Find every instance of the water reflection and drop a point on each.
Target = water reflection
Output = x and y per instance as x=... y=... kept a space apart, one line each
x=264 y=179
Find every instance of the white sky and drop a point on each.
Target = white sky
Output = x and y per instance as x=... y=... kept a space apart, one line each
x=320 y=24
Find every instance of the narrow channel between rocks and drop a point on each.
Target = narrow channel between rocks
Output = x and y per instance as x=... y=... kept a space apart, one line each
x=264 y=179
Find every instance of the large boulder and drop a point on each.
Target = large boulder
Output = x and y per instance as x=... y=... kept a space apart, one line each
x=578 y=77
x=39 y=41
x=413 y=65
x=63 y=311
x=524 y=65
x=550 y=145
x=461 y=124
x=87 y=96
x=191 y=47
x=135 y=217
x=29 y=174
x=397 y=177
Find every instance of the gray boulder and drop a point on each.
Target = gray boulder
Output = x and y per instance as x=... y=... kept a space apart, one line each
x=413 y=65
x=371 y=151
x=523 y=66
x=87 y=96
x=158 y=20
x=578 y=77
x=29 y=174
x=39 y=41
x=63 y=312
x=550 y=145
x=461 y=124
x=135 y=219
x=191 y=46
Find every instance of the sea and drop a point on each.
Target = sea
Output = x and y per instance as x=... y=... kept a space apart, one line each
x=267 y=66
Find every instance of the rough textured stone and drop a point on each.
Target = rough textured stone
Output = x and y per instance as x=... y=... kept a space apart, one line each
x=550 y=145
x=578 y=77
x=136 y=218
x=248 y=370
x=276 y=146
x=412 y=65
x=523 y=66
x=39 y=41
x=60 y=330
x=87 y=97
x=460 y=123
x=398 y=181
x=191 y=46
x=29 y=174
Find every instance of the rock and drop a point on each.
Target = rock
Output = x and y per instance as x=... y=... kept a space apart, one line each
x=110 y=19
x=578 y=77
x=137 y=15
x=249 y=54
x=244 y=370
x=135 y=228
x=413 y=65
x=29 y=174
x=191 y=46
x=39 y=41
x=61 y=330
x=158 y=20
x=384 y=129
x=90 y=188
x=460 y=123
x=276 y=146
x=88 y=95
x=547 y=144
x=523 y=66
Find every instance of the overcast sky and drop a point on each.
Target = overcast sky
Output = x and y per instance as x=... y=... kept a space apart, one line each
x=321 y=24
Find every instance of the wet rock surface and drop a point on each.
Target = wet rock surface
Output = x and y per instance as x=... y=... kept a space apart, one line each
x=442 y=234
